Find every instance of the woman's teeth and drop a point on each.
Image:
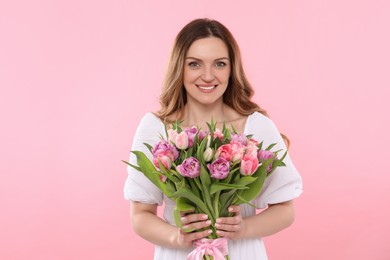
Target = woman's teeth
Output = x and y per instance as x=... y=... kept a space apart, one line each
x=206 y=88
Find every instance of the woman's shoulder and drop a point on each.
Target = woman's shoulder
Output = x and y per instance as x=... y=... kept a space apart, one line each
x=259 y=123
x=150 y=122
x=150 y=117
x=257 y=118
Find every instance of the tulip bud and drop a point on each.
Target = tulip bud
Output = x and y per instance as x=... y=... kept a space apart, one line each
x=208 y=154
x=172 y=134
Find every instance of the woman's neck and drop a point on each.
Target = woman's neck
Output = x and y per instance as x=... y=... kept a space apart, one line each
x=199 y=114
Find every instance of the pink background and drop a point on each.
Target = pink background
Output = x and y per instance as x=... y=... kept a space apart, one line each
x=77 y=76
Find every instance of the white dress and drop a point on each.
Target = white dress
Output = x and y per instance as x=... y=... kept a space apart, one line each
x=283 y=185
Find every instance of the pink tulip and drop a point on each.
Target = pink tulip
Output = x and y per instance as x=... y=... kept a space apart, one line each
x=240 y=138
x=219 y=169
x=202 y=134
x=253 y=141
x=189 y=168
x=224 y=151
x=251 y=149
x=182 y=141
x=237 y=151
x=191 y=132
x=248 y=165
x=218 y=134
x=172 y=134
x=166 y=149
x=164 y=158
x=264 y=155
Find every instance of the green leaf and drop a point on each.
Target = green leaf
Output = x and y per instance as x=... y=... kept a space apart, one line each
x=270 y=147
x=171 y=187
x=256 y=186
x=232 y=172
x=148 y=169
x=196 y=187
x=204 y=176
x=224 y=126
x=226 y=186
x=196 y=137
x=204 y=185
x=234 y=129
x=246 y=180
x=241 y=200
x=181 y=185
x=217 y=143
x=226 y=200
x=176 y=173
x=177 y=217
x=249 y=136
x=260 y=145
x=165 y=172
x=189 y=152
x=211 y=126
x=236 y=177
x=228 y=178
x=277 y=163
x=188 y=194
x=150 y=148
x=284 y=156
x=201 y=150
x=182 y=205
x=227 y=135
x=132 y=165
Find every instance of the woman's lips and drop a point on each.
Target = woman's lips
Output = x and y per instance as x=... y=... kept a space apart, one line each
x=206 y=88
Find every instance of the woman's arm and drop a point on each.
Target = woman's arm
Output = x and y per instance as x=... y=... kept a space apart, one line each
x=268 y=222
x=149 y=226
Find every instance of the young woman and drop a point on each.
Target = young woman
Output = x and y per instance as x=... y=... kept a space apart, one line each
x=206 y=80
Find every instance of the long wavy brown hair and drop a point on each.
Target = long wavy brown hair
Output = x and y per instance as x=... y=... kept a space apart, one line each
x=239 y=91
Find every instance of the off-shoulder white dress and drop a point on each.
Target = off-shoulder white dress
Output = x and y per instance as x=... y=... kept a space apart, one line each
x=283 y=185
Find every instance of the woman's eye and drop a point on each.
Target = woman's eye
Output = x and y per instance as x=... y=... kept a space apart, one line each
x=193 y=64
x=221 y=64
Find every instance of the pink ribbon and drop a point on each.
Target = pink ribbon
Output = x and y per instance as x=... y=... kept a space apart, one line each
x=217 y=248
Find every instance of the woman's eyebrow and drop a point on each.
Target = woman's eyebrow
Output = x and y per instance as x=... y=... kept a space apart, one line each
x=193 y=58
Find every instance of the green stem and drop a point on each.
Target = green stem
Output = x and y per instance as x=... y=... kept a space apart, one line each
x=216 y=204
x=206 y=198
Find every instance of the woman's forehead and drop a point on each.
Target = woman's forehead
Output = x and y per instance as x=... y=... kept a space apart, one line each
x=208 y=48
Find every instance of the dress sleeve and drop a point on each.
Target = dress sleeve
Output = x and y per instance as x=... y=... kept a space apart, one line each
x=284 y=183
x=137 y=186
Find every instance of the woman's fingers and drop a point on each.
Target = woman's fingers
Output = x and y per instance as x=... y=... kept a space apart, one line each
x=194 y=222
x=196 y=226
x=190 y=237
x=193 y=218
x=235 y=209
x=231 y=227
x=236 y=219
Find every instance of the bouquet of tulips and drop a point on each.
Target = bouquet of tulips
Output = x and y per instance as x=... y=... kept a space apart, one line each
x=206 y=171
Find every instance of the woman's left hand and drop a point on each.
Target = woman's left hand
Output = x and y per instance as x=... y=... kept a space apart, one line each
x=231 y=227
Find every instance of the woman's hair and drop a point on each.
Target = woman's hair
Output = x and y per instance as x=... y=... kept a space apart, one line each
x=239 y=91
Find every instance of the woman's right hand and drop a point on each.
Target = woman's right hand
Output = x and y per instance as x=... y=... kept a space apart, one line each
x=191 y=229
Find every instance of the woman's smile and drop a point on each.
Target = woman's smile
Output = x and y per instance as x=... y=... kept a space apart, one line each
x=206 y=88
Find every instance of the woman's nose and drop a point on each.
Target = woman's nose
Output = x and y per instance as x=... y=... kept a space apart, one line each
x=208 y=74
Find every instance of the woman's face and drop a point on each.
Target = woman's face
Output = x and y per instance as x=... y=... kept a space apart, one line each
x=206 y=70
